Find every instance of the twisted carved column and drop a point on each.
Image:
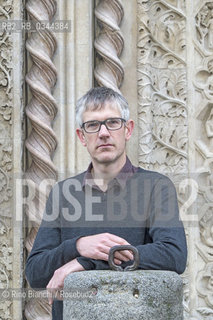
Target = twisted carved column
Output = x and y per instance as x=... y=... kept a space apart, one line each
x=109 y=44
x=42 y=141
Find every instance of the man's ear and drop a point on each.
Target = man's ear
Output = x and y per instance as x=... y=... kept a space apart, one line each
x=129 y=126
x=81 y=136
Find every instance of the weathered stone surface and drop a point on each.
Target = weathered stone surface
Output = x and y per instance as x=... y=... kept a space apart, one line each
x=144 y=295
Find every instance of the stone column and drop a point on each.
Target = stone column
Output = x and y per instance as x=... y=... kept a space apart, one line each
x=139 y=295
x=109 y=44
x=11 y=130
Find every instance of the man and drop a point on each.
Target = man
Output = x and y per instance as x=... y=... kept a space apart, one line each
x=112 y=203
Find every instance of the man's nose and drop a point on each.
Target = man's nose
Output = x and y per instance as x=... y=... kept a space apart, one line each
x=103 y=132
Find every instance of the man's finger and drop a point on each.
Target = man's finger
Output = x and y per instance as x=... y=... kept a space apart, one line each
x=103 y=256
x=116 y=261
x=50 y=300
x=50 y=295
x=124 y=255
x=128 y=254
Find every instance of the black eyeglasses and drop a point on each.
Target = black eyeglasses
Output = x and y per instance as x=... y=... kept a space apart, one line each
x=95 y=125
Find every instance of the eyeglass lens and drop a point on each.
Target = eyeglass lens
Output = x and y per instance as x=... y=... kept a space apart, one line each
x=111 y=124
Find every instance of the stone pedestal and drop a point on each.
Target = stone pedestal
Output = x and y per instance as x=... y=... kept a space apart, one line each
x=144 y=295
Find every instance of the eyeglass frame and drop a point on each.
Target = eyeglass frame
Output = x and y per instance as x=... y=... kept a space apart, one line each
x=103 y=122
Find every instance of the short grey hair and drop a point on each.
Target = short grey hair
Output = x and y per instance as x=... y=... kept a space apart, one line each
x=97 y=98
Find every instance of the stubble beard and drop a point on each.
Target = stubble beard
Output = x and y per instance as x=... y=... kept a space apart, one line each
x=108 y=160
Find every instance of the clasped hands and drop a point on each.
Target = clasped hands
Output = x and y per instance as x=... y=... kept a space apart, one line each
x=94 y=247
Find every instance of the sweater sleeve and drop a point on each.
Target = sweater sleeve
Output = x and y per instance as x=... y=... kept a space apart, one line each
x=165 y=248
x=48 y=252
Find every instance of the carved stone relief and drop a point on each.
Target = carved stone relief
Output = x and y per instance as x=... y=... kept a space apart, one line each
x=163 y=121
x=204 y=25
x=6 y=153
x=204 y=153
x=206 y=225
x=42 y=141
x=162 y=95
x=205 y=284
x=109 y=44
x=162 y=87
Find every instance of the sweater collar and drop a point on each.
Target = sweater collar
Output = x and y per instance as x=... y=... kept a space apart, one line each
x=126 y=172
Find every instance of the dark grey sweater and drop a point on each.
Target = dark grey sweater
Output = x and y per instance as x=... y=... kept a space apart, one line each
x=144 y=212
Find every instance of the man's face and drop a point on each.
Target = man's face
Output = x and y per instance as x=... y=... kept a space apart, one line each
x=105 y=146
